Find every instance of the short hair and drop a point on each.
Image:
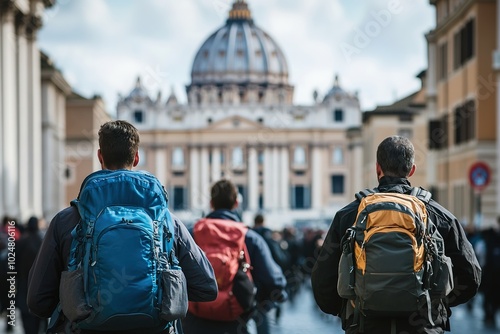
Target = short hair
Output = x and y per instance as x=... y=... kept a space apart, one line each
x=223 y=195
x=396 y=156
x=259 y=219
x=32 y=225
x=119 y=143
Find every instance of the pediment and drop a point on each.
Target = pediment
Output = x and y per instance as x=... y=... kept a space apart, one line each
x=235 y=123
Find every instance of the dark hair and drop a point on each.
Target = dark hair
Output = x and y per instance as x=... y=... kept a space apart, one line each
x=32 y=225
x=259 y=219
x=119 y=143
x=223 y=195
x=396 y=156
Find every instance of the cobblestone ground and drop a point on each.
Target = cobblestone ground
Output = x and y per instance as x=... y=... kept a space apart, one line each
x=303 y=316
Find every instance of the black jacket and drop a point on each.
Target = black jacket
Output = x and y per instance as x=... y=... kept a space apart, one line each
x=52 y=259
x=466 y=269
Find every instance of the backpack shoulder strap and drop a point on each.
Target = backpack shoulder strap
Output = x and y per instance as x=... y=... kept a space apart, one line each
x=363 y=193
x=422 y=194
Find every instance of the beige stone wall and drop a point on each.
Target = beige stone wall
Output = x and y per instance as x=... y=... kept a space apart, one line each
x=83 y=120
x=474 y=80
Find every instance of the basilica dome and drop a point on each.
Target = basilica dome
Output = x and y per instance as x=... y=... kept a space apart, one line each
x=239 y=53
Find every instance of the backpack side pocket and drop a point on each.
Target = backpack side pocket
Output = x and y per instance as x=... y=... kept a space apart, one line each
x=73 y=302
x=174 y=303
x=346 y=280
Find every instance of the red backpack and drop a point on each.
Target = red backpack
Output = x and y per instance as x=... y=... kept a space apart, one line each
x=223 y=242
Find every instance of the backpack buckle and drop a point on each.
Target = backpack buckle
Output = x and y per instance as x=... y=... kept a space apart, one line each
x=90 y=230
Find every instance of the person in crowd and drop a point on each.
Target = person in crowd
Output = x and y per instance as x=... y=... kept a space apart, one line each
x=118 y=149
x=282 y=258
x=395 y=164
x=26 y=250
x=266 y=273
x=491 y=273
x=8 y=231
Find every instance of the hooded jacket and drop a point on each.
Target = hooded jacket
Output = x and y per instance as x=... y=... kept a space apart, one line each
x=466 y=269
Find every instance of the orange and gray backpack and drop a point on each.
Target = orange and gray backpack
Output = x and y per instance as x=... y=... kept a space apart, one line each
x=393 y=261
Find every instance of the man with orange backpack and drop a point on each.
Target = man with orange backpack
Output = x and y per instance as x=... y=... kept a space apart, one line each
x=385 y=263
x=243 y=266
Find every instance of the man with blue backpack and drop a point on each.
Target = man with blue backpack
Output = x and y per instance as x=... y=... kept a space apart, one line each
x=117 y=260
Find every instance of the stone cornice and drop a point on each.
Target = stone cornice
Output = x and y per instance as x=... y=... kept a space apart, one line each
x=57 y=79
x=6 y=6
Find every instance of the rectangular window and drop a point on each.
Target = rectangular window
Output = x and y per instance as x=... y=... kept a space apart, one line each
x=337 y=184
x=464 y=122
x=338 y=115
x=260 y=157
x=463 y=44
x=178 y=157
x=179 y=200
x=338 y=156
x=237 y=157
x=438 y=133
x=138 y=116
x=300 y=197
x=443 y=61
x=242 y=190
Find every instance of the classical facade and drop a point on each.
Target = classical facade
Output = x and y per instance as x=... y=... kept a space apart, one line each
x=29 y=113
x=462 y=102
x=293 y=163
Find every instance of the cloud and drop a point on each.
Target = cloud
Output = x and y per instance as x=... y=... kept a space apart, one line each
x=102 y=46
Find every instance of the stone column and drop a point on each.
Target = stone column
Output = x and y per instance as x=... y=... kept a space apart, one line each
x=216 y=166
x=10 y=144
x=205 y=180
x=284 y=179
x=24 y=119
x=194 y=177
x=253 y=180
x=161 y=165
x=268 y=178
x=35 y=128
x=276 y=181
x=317 y=177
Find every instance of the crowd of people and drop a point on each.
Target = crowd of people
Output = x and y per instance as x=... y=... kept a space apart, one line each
x=27 y=238
x=276 y=262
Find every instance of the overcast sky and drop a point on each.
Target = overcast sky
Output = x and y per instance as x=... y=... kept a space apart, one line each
x=377 y=47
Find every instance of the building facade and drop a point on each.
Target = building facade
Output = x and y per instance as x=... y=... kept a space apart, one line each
x=22 y=135
x=293 y=163
x=462 y=106
x=84 y=117
x=406 y=117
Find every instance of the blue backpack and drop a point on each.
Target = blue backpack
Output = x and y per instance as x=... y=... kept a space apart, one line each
x=122 y=271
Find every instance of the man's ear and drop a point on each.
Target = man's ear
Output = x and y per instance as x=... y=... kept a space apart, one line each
x=413 y=168
x=235 y=205
x=99 y=156
x=379 y=171
x=136 y=159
